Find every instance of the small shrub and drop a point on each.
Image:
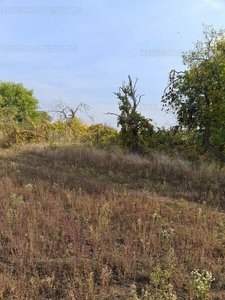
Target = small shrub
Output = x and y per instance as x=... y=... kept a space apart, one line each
x=202 y=283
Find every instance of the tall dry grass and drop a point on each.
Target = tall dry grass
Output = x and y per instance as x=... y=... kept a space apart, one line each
x=96 y=170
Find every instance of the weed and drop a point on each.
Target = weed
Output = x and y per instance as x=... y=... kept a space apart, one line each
x=202 y=283
x=72 y=229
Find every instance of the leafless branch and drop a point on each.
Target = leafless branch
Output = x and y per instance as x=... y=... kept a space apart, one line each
x=109 y=113
x=65 y=112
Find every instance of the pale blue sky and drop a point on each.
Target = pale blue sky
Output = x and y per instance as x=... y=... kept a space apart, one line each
x=111 y=39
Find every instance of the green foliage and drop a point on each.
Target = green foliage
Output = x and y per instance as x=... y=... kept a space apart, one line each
x=202 y=283
x=164 y=289
x=173 y=141
x=103 y=136
x=134 y=127
x=78 y=129
x=197 y=95
x=76 y=132
x=68 y=131
x=16 y=133
x=17 y=102
x=20 y=120
x=42 y=116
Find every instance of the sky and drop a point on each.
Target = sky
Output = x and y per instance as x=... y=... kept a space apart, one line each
x=83 y=50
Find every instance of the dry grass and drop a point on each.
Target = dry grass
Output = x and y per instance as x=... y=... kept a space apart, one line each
x=95 y=170
x=80 y=223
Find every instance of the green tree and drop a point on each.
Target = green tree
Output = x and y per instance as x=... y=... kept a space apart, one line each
x=18 y=103
x=197 y=95
x=135 y=128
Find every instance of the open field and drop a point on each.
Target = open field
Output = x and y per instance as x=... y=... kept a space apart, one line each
x=82 y=223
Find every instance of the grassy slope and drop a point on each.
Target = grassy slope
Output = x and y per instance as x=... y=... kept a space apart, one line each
x=80 y=223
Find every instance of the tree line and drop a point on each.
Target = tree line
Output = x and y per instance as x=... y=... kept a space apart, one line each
x=195 y=96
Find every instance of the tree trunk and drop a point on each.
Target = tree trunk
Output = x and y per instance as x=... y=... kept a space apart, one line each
x=134 y=147
x=210 y=147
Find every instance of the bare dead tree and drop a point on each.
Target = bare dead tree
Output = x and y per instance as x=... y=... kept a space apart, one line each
x=66 y=112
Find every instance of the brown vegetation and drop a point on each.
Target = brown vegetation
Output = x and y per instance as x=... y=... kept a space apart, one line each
x=79 y=223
